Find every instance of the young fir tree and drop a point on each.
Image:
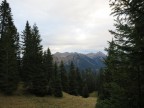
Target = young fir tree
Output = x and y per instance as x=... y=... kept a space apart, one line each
x=48 y=69
x=64 y=78
x=8 y=50
x=57 y=82
x=73 y=89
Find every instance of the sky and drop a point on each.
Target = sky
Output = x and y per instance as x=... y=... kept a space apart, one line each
x=67 y=25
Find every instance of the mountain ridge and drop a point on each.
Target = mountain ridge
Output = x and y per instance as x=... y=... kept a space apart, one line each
x=94 y=61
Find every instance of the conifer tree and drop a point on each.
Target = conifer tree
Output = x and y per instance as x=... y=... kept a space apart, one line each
x=126 y=87
x=109 y=70
x=79 y=81
x=73 y=90
x=100 y=82
x=85 y=92
x=8 y=50
x=33 y=73
x=110 y=89
x=26 y=73
x=90 y=80
x=57 y=82
x=39 y=79
x=64 y=78
x=18 y=55
x=48 y=69
x=129 y=37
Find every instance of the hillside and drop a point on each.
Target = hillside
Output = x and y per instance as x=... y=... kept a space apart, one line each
x=68 y=101
x=82 y=61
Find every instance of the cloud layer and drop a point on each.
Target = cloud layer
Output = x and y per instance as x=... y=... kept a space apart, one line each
x=67 y=25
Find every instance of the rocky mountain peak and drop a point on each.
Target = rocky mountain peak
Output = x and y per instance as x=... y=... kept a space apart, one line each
x=82 y=61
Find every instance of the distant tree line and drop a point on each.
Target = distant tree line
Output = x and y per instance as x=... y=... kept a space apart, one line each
x=25 y=61
x=121 y=83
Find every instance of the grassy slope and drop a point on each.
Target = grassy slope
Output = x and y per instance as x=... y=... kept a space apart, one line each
x=93 y=94
x=67 y=101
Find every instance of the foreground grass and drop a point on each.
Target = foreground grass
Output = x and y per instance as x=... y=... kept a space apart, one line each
x=67 y=101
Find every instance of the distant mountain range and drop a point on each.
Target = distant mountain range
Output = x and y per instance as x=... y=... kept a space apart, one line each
x=95 y=61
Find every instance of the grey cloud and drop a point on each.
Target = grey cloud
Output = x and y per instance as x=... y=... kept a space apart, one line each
x=67 y=25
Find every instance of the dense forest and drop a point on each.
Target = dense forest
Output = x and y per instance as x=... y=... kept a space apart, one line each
x=24 y=63
x=122 y=81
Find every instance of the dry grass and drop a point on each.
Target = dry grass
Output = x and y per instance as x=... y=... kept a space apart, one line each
x=67 y=101
x=93 y=94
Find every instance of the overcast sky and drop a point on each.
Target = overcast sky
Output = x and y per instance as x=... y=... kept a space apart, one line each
x=67 y=25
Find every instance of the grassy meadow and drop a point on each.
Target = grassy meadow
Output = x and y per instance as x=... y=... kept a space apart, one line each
x=68 y=101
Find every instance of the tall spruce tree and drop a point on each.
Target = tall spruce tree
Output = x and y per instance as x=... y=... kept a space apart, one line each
x=109 y=70
x=73 y=89
x=8 y=50
x=64 y=77
x=18 y=54
x=110 y=90
x=48 y=69
x=126 y=87
x=33 y=73
x=39 y=79
x=129 y=37
x=26 y=73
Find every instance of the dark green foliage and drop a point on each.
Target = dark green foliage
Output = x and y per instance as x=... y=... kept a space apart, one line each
x=48 y=69
x=99 y=82
x=111 y=93
x=64 y=78
x=123 y=77
x=73 y=87
x=39 y=79
x=39 y=84
x=48 y=63
x=8 y=50
x=90 y=80
x=18 y=55
x=110 y=70
x=26 y=73
x=33 y=73
x=79 y=81
x=85 y=92
x=117 y=98
x=103 y=104
x=57 y=82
